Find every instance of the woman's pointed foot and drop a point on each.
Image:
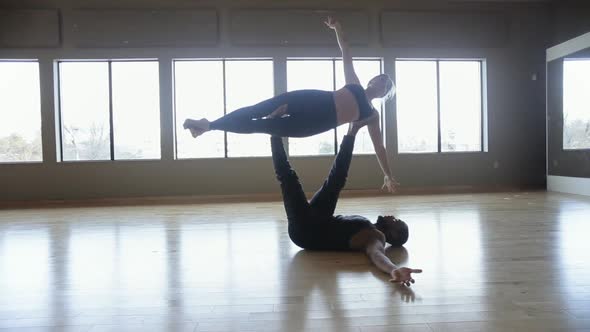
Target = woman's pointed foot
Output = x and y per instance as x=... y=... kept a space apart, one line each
x=197 y=124
x=196 y=127
x=196 y=132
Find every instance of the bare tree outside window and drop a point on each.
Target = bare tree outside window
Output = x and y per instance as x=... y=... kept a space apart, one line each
x=85 y=110
x=20 y=106
x=84 y=101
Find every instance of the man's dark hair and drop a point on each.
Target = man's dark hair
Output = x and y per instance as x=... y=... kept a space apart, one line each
x=396 y=231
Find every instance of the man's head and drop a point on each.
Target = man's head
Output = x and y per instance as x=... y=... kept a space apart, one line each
x=395 y=230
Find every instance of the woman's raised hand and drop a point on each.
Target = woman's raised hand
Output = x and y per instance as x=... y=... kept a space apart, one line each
x=332 y=23
x=390 y=184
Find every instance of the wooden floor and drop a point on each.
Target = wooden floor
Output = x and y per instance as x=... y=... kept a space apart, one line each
x=492 y=262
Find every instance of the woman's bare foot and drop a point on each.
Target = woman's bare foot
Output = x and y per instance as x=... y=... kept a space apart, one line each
x=196 y=124
x=196 y=132
x=196 y=127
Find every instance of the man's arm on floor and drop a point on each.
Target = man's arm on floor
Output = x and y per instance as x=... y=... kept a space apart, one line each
x=375 y=250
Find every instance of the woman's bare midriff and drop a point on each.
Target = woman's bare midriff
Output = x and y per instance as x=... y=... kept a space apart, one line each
x=347 y=109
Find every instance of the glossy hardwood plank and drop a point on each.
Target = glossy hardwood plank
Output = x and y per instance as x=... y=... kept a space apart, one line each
x=492 y=262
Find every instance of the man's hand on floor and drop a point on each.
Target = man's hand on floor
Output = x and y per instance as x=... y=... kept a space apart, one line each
x=403 y=275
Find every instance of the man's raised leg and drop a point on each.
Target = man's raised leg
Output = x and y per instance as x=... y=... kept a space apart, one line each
x=324 y=201
x=296 y=205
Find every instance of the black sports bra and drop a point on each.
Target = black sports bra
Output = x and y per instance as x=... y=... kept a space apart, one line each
x=365 y=108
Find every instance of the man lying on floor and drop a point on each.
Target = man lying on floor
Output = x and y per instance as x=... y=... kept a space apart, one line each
x=313 y=225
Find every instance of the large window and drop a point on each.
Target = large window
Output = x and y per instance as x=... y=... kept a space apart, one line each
x=365 y=70
x=211 y=88
x=327 y=74
x=20 y=107
x=248 y=82
x=439 y=105
x=198 y=93
x=576 y=104
x=311 y=74
x=109 y=110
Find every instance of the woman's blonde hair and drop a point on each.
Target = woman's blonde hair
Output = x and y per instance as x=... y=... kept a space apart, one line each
x=389 y=86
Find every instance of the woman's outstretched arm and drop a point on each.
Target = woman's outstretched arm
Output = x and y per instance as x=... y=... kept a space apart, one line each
x=349 y=74
x=389 y=182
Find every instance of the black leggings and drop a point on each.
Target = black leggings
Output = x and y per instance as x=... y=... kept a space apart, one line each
x=323 y=203
x=309 y=112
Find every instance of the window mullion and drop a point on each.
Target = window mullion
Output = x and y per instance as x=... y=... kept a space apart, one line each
x=334 y=89
x=111 y=122
x=481 y=113
x=172 y=85
x=439 y=137
x=382 y=105
x=58 y=112
x=224 y=106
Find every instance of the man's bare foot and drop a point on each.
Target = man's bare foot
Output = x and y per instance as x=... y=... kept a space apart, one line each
x=196 y=127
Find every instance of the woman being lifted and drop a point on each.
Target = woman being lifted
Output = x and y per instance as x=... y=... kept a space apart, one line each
x=303 y=113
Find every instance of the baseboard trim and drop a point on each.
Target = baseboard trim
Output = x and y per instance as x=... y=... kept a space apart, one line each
x=209 y=199
x=569 y=185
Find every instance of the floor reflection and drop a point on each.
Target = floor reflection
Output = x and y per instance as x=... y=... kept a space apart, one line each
x=233 y=267
x=572 y=267
x=25 y=266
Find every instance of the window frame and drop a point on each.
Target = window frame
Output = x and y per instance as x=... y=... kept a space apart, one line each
x=58 y=112
x=38 y=62
x=482 y=109
x=566 y=59
x=224 y=87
